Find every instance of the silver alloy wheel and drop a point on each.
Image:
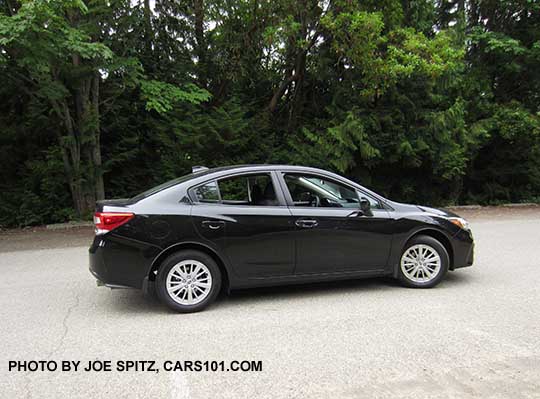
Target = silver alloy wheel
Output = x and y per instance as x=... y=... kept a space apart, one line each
x=189 y=282
x=421 y=263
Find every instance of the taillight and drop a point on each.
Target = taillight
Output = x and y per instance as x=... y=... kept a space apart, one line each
x=107 y=221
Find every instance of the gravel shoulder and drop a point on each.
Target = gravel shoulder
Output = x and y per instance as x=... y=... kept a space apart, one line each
x=42 y=238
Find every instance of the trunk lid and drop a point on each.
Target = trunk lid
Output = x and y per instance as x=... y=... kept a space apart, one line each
x=109 y=204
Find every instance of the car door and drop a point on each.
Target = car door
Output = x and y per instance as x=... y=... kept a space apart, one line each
x=249 y=222
x=332 y=234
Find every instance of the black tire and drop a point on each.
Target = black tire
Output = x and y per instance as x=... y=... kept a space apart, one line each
x=444 y=260
x=172 y=261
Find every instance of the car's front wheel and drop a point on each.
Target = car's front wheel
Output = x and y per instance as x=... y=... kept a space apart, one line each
x=423 y=263
x=188 y=281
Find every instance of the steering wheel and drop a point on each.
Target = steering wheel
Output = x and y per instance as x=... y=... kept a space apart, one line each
x=327 y=202
x=315 y=201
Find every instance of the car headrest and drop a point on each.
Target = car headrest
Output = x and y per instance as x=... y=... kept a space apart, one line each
x=269 y=192
x=256 y=194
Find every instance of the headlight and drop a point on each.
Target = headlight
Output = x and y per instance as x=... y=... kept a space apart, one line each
x=460 y=222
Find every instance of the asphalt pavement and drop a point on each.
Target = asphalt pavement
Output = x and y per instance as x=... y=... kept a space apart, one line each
x=476 y=335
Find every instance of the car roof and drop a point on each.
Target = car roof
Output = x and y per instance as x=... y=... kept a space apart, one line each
x=217 y=172
x=222 y=171
x=256 y=167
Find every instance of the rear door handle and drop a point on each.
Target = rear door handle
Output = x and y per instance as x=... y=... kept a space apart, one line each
x=213 y=224
x=307 y=223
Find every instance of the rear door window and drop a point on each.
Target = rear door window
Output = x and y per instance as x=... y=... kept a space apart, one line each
x=251 y=189
x=241 y=190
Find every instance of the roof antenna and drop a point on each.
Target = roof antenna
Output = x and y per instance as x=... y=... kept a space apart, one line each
x=198 y=168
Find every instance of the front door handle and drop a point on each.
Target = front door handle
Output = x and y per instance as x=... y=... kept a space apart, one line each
x=307 y=223
x=213 y=224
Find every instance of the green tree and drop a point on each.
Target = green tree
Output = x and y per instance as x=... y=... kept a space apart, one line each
x=424 y=101
x=56 y=50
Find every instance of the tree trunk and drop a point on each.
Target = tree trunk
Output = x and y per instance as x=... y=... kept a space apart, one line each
x=71 y=155
x=80 y=144
x=148 y=38
x=279 y=92
x=200 y=49
x=296 y=59
x=96 y=143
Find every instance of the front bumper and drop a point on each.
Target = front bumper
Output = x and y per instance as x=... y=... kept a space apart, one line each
x=463 y=244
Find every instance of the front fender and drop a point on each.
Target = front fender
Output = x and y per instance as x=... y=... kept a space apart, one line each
x=407 y=228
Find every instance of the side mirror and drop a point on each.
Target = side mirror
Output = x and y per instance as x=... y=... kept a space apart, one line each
x=365 y=206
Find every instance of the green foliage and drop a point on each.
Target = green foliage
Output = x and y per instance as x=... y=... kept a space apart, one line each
x=41 y=32
x=508 y=166
x=343 y=143
x=41 y=195
x=161 y=96
x=433 y=102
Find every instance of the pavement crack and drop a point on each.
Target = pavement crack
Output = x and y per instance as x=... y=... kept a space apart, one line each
x=65 y=331
x=27 y=381
x=65 y=325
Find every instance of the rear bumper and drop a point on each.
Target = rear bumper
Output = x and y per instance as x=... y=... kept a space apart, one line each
x=117 y=262
x=96 y=263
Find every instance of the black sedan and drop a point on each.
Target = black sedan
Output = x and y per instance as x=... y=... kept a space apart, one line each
x=258 y=225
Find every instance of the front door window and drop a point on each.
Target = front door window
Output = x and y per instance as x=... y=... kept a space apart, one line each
x=320 y=192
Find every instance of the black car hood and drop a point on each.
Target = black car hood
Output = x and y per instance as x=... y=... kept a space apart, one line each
x=426 y=209
x=436 y=211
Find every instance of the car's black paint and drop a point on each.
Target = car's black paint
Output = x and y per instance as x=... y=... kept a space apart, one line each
x=257 y=240
x=266 y=245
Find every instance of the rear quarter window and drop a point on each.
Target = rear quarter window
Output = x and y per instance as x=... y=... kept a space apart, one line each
x=207 y=193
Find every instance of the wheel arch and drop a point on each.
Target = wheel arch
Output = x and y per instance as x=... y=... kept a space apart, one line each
x=225 y=283
x=437 y=235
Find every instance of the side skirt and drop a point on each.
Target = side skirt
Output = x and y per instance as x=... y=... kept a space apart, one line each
x=306 y=278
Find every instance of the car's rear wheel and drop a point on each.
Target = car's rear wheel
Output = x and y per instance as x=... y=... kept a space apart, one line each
x=423 y=263
x=188 y=281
